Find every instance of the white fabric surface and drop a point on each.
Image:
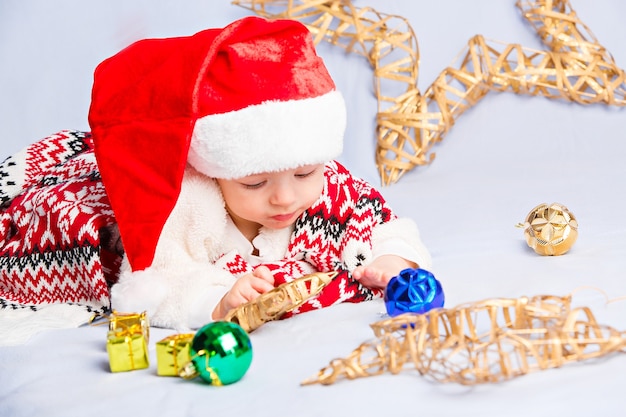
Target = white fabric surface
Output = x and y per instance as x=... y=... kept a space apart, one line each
x=501 y=159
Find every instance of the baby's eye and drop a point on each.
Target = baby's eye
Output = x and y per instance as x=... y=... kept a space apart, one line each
x=305 y=174
x=253 y=186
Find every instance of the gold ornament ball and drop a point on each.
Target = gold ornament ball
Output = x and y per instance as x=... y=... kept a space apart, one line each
x=550 y=229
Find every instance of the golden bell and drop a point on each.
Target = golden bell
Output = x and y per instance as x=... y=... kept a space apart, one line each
x=550 y=229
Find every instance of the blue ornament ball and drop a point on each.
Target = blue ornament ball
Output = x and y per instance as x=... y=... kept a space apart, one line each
x=413 y=290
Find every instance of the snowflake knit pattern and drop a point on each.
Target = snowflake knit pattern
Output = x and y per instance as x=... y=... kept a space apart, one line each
x=53 y=210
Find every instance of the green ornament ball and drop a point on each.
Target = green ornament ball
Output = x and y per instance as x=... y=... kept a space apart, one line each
x=221 y=352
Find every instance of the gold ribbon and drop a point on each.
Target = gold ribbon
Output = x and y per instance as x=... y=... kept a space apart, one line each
x=190 y=370
x=122 y=324
x=171 y=346
x=132 y=327
x=575 y=68
x=129 y=335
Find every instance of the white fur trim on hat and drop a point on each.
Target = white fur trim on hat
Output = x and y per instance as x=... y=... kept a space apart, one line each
x=272 y=136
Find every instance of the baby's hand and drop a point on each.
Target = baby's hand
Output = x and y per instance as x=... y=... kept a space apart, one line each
x=246 y=288
x=378 y=273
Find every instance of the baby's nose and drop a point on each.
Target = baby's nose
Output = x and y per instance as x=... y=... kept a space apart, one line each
x=283 y=195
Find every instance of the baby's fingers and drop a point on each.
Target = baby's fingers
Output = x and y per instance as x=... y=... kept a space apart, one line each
x=262 y=285
x=370 y=277
x=264 y=273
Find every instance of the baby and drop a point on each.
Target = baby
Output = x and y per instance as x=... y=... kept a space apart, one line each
x=217 y=152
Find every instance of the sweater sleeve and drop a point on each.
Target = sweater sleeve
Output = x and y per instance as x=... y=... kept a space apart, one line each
x=400 y=237
x=373 y=230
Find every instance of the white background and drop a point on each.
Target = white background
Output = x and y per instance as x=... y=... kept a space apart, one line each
x=502 y=158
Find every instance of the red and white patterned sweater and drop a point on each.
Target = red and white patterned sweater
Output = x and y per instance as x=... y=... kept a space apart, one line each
x=56 y=227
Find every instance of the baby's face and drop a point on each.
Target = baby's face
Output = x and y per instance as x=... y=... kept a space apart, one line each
x=274 y=200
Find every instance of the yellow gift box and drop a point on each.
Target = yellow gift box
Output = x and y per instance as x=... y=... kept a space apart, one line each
x=173 y=353
x=127 y=342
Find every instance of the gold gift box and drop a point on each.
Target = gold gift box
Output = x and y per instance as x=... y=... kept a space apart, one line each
x=173 y=354
x=127 y=342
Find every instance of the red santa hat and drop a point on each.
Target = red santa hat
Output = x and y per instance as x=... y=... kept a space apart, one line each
x=248 y=98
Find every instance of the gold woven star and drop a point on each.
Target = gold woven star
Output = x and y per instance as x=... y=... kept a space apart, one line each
x=575 y=68
x=493 y=340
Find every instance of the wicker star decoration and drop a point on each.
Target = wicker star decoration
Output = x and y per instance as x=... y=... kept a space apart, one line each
x=482 y=342
x=576 y=67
